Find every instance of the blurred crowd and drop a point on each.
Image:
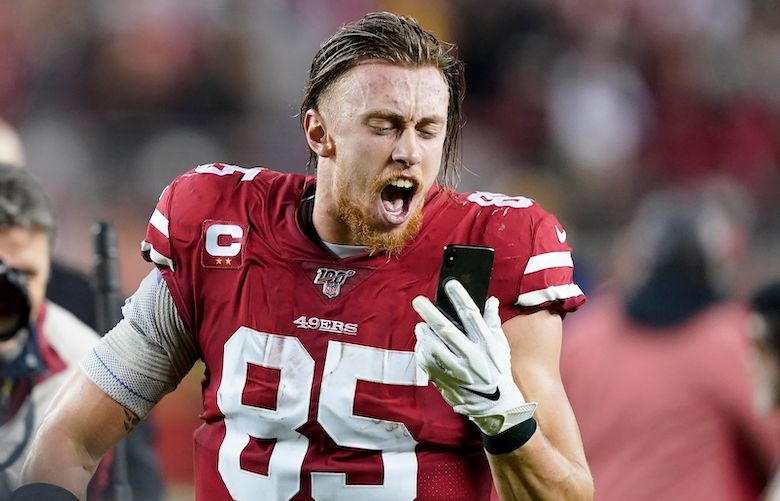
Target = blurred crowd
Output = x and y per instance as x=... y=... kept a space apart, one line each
x=585 y=105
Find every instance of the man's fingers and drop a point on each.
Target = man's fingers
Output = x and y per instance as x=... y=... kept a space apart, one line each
x=492 y=319
x=467 y=310
x=441 y=325
x=431 y=314
x=436 y=359
x=459 y=296
x=496 y=339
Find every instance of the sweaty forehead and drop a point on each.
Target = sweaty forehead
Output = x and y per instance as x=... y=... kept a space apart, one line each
x=412 y=92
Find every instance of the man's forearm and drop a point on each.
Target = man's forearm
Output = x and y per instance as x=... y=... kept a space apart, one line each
x=539 y=471
x=55 y=459
x=79 y=428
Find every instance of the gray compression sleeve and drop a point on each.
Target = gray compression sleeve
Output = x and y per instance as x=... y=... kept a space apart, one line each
x=147 y=354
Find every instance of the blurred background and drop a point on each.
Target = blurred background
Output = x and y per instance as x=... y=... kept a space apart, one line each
x=584 y=105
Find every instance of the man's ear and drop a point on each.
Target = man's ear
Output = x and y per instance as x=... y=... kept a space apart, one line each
x=317 y=135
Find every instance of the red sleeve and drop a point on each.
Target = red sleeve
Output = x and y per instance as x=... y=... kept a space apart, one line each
x=547 y=279
x=156 y=245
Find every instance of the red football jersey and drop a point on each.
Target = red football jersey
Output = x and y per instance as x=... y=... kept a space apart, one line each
x=311 y=388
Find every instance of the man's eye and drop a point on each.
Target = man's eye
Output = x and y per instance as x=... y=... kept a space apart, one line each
x=382 y=130
x=429 y=132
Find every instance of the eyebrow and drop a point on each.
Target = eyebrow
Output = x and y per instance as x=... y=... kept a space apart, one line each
x=398 y=118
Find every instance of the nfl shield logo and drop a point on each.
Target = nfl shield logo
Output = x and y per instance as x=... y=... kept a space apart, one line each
x=332 y=280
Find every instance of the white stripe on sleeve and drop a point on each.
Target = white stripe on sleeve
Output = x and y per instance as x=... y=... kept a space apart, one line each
x=552 y=293
x=160 y=222
x=156 y=256
x=549 y=260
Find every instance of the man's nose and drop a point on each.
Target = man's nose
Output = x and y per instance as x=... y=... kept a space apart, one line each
x=407 y=148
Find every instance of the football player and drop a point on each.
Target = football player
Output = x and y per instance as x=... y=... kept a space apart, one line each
x=299 y=294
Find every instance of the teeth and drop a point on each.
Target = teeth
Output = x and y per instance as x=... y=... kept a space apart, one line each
x=402 y=183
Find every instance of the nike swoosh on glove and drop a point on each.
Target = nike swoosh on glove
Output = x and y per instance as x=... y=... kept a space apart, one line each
x=472 y=370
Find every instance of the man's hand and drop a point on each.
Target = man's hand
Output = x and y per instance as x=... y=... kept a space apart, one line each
x=471 y=370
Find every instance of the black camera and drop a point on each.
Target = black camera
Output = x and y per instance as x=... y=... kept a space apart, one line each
x=14 y=302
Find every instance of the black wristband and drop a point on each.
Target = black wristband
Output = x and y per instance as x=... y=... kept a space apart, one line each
x=511 y=439
x=36 y=492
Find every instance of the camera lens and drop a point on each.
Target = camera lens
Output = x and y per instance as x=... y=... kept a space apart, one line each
x=14 y=302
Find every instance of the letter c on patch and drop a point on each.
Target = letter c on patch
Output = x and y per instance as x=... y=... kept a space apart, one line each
x=215 y=231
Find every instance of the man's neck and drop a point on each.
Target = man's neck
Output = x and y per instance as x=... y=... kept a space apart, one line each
x=326 y=221
x=306 y=218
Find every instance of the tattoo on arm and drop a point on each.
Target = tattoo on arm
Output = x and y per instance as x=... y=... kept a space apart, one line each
x=130 y=420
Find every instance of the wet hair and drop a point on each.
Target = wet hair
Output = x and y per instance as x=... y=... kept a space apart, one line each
x=398 y=40
x=766 y=302
x=23 y=202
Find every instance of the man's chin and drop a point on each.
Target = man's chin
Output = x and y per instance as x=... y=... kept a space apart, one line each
x=386 y=239
x=392 y=242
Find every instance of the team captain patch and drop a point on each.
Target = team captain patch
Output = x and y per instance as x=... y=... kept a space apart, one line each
x=223 y=244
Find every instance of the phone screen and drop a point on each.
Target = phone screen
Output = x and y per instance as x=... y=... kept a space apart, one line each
x=472 y=266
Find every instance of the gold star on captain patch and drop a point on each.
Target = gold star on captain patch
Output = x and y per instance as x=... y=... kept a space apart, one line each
x=219 y=260
x=227 y=260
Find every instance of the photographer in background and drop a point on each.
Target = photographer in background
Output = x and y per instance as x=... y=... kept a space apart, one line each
x=71 y=290
x=40 y=342
x=67 y=286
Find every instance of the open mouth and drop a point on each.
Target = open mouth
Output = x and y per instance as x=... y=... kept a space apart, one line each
x=396 y=198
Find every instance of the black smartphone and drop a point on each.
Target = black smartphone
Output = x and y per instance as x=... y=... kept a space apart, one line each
x=472 y=266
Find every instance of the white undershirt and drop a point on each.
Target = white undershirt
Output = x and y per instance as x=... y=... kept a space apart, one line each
x=345 y=250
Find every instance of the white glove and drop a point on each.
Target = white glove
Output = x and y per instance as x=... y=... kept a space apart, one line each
x=472 y=370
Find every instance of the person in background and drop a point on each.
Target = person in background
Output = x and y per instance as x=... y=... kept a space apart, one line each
x=38 y=355
x=655 y=367
x=764 y=328
x=69 y=289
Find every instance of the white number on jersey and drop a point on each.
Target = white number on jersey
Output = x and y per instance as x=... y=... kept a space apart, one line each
x=226 y=170
x=345 y=364
x=244 y=421
x=485 y=199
